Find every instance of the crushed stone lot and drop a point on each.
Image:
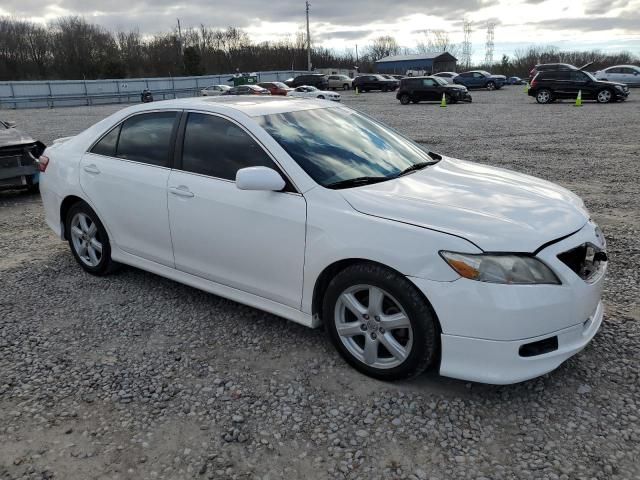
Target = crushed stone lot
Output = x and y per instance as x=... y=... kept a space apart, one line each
x=134 y=376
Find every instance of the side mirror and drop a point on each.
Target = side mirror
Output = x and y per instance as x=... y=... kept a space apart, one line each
x=259 y=178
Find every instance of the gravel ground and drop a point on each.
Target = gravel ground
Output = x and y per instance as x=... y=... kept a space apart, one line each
x=137 y=377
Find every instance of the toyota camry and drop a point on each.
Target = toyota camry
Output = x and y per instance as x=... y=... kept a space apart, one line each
x=322 y=215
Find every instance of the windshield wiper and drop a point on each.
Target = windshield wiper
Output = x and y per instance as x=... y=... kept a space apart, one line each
x=415 y=167
x=357 y=181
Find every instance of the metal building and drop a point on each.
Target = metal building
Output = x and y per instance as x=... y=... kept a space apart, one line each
x=429 y=62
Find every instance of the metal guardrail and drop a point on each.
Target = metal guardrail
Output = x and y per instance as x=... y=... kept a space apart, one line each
x=59 y=93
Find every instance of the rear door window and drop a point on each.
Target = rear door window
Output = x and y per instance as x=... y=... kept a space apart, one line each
x=147 y=138
x=107 y=144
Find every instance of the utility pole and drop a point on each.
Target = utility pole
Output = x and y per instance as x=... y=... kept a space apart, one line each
x=180 y=46
x=308 y=40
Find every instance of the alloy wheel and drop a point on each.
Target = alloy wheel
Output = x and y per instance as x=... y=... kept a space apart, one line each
x=604 y=96
x=543 y=96
x=84 y=236
x=373 y=326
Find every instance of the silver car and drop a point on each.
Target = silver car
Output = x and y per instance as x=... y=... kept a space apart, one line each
x=629 y=74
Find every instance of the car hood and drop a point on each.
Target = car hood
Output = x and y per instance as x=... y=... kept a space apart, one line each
x=498 y=210
x=498 y=77
x=454 y=86
x=10 y=137
x=613 y=84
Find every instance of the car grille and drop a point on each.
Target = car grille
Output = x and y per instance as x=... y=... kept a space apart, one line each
x=585 y=260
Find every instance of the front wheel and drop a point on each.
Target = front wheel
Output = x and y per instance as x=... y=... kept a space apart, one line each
x=345 y=86
x=88 y=240
x=321 y=97
x=543 y=96
x=405 y=99
x=491 y=86
x=604 y=96
x=380 y=323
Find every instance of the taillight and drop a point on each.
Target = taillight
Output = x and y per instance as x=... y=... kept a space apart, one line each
x=42 y=163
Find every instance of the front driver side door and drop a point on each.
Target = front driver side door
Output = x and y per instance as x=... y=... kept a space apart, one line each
x=248 y=240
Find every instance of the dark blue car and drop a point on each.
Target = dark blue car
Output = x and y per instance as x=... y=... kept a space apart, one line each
x=480 y=79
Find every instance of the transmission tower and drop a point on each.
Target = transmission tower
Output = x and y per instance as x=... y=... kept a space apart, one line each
x=466 y=45
x=488 y=56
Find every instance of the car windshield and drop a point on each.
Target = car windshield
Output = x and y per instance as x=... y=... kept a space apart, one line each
x=440 y=80
x=484 y=72
x=309 y=89
x=339 y=144
x=280 y=85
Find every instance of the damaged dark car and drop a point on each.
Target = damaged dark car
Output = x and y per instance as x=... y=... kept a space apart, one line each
x=19 y=155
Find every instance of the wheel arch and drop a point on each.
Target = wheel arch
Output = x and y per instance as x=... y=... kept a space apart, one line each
x=68 y=202
x=329 y=272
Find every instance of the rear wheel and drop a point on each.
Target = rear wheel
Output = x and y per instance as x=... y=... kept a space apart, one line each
x=543 y=96
x=88 y=240
x=379 y=322
x=604 y=96
x=405 y=99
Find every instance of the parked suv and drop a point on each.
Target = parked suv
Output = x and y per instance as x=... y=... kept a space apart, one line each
x=480 y=79
x=318 y=80
x=340 y=81
x=542 y=67
x=550 y=85
x=364 y=83
x=417 y=89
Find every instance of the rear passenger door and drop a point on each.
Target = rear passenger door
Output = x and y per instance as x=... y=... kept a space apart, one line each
x=248 y=240
x=125 y=176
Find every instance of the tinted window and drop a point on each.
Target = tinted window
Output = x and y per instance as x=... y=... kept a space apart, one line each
x=107 y=145
x=336 y=144
x=429 y=82
x=219 y=148
x=147 y=138
x=333 y=77
x=578 y=76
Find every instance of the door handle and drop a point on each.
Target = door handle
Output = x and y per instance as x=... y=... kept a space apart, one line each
x=181 y=191
x=91 y=169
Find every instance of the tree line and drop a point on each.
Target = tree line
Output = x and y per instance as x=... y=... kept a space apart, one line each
x=71 y=48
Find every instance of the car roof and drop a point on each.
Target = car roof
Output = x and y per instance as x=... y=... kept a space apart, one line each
x=619 y=66
x=252 y=107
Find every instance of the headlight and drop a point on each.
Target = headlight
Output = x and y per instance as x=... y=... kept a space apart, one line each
x=499 y=268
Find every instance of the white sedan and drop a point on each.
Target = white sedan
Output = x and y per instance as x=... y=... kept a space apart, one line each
x=628 y=74
x=319 y=214
x=307 y=91
x=215 y=90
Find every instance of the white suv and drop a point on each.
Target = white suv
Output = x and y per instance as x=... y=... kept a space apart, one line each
x=340 y=81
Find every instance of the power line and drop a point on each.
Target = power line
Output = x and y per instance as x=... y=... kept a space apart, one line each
x=488 y=56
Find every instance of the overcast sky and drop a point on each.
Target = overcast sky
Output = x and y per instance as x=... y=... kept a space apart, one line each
x=610 y=25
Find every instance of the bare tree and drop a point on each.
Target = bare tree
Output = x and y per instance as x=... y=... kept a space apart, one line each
x=436 y=41
x=383 y=46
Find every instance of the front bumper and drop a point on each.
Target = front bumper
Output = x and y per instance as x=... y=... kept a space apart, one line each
x=500 y=362
x=484 y=325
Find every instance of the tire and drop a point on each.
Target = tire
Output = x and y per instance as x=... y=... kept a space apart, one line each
x=405 y=99
x=491 y=86
x=605 y=96
x=321 y=97
x=345 y=86
x=543 y=96
x=99 y=263
x=366 y=343
x=448 y=99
